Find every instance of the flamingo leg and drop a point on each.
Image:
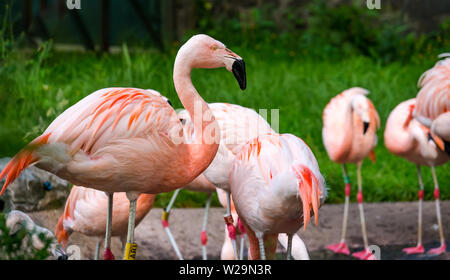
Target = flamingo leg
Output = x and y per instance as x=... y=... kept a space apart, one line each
x=107 y=254
x=204 y=237
x=366 y=254
x=243 y=237
x=230 y=226
x=419 y=248
x=442 y=248
x=289 y=247
x=165 y=222
x=342 y=247
x=262 y=252
x=123 y=240
x=131 y=247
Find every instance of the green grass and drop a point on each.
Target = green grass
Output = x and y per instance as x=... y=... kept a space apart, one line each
x=34 y=89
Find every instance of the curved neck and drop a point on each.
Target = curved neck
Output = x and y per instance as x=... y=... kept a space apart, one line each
x=206 y=137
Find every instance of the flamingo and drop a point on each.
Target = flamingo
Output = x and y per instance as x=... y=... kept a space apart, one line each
x=433 y=102
x=406 y=137
x=85 y=213
x=349 y=135
x=237 y=125
x=129 y=140
x=199 y=184
x=275 y=181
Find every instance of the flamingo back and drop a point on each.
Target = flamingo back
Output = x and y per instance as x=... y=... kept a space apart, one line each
x=433 y=98
x=269 y=175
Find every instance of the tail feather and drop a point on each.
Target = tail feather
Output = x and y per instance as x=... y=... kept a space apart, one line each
x=309 y=193
x=21 y=161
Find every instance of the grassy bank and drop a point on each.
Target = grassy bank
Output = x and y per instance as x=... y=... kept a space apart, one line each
x=35 y=88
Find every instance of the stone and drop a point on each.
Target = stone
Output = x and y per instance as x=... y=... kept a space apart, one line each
x=34 y=190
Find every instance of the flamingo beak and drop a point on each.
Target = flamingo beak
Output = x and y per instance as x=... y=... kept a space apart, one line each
x=366 y=126
x=238 y=70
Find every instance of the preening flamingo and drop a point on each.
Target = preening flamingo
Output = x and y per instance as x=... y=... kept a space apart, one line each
x=237 y=125
x=349 y=135
x=129 y=140
x=199 y=184
x=85 y=212
x=433 y=102
x=406 y=137
x=275 y=181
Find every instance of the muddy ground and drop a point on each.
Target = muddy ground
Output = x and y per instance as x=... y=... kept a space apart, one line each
x=391 y=226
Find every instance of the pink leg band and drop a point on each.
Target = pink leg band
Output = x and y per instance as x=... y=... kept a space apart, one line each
x=360 y=197
x=421 y=194
x=436 y=194
x=347 y=189
x=204 y=238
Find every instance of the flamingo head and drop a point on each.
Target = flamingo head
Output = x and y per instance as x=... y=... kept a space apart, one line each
x=203 y=51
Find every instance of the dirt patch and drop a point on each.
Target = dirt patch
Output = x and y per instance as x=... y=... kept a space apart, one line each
x=389 y=225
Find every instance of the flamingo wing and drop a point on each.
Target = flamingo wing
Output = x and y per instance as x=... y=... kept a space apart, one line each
x=101 y=139
x=433 y=98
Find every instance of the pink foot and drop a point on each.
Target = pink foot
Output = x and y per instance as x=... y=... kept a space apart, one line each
x=339 y=248
x=108 y=255
x=414 y=250
x=437 y=251
x=364 y=255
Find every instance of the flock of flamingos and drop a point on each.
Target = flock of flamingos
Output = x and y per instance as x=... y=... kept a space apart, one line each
x=125 y=145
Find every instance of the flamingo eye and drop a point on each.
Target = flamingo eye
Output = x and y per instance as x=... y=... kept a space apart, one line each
x=214 y=47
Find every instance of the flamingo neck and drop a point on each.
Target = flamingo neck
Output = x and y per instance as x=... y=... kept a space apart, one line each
x=203 y=148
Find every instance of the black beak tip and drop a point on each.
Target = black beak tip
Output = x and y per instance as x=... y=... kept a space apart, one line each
x=366 y=126
x=238 y=70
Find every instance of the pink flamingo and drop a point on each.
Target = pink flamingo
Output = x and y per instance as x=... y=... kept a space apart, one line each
x=275 y=181
x=433 y=102
x=237 y=125
x=406 y=137
x=85 y=213
x=349 y=135
x=129 y=140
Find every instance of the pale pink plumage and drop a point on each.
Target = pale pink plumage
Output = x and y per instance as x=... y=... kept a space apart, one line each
x=276 y=185
x=349 y=129
x=237 y=125
x=433 y=98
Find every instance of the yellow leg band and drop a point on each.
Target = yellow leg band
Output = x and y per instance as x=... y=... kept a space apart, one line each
x=130 y=251
x=165 y=216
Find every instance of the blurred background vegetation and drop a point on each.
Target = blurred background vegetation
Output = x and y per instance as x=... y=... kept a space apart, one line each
x=298 y=54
